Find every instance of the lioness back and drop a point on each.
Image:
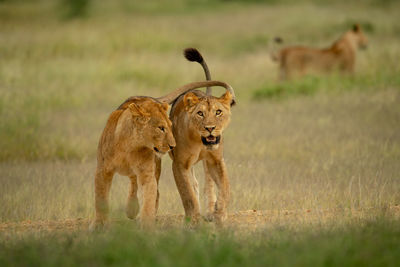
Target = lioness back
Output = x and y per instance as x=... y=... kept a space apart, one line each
x=111 y=137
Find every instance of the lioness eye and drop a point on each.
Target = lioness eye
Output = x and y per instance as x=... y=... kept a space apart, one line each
x=218 y=112
x=200 y=113
x=162 y=128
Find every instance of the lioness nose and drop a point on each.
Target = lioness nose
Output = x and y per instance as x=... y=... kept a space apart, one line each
x=171 y=147
x=210 y=128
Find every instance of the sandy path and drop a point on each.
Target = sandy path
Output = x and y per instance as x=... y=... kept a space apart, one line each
x=249 y=220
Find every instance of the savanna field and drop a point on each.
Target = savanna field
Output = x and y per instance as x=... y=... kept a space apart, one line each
x=314 y=163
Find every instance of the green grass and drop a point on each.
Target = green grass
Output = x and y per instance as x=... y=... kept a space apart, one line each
x=371 y=243
x=310 y=85
x=75 y=8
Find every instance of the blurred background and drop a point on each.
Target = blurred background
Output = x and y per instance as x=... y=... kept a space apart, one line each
x=316 y=143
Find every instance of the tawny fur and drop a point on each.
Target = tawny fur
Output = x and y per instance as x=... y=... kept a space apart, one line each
x=340 y=56
x=194 y=116
x=134 y=138
x=213 y=163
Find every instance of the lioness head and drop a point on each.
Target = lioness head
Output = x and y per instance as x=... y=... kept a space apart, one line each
x=149 y=122
x=208 y=116
x=359 y=37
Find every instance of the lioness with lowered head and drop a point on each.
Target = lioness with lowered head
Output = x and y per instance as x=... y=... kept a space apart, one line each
x=340 y=56
x=198 y=121
x=137 y=133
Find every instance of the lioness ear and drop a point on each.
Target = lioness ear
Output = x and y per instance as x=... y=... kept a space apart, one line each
x=165 y=106
x=190 y=100
x=138 y=112
x=356 y=27
x=227 y=99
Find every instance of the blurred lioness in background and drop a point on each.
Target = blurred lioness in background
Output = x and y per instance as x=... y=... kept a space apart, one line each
x=295 y=61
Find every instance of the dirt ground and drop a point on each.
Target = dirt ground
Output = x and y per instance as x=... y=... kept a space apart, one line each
x=248 y=220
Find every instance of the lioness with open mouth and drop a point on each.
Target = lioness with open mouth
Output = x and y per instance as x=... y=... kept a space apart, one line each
x=198 y=122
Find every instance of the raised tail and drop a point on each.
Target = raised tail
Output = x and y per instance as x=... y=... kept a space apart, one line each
x=192 y=54
x=171 y=97
x=274 y=52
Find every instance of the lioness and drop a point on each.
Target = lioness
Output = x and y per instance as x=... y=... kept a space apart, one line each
x=137 y=133
x=341 y=55
x=198 y=121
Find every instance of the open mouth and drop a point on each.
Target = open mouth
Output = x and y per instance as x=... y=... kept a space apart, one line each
x=210 y=140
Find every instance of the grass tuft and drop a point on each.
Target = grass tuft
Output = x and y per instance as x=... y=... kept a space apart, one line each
x=74 y=8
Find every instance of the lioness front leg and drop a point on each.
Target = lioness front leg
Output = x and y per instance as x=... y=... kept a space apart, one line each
x=157 y=161
x=182 y=177
x=132 y=205
x=348 y=68
x=102 y=185
x=195 y=185
x=219 y=174
x=209 y=192
x=148 y=188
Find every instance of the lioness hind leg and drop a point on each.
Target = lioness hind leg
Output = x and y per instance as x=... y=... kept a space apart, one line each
x=210 y=196
x=132 y=205
x=219 y=174
x=102 y=184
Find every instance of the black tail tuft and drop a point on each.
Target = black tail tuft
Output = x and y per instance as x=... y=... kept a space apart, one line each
x=278 y=40
x=192 y=54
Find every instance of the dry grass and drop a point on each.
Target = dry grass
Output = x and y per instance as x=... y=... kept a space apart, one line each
x=303 y=153
x=59 y=80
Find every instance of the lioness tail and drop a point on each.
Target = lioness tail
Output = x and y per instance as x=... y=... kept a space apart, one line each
x=171 y=97
x=192 y=54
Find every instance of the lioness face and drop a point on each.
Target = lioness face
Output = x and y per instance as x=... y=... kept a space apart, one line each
x=360 y=38
x=160 y=133
x=208 y=117
x=155 y=126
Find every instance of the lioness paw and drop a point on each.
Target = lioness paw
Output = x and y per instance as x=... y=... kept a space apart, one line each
x=97 y=225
